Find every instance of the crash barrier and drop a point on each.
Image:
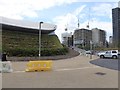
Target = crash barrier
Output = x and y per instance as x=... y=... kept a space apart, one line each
x=39 y=66
x=5 y=67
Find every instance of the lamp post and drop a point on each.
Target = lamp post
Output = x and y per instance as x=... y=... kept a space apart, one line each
x=40 y=38
x=91 y=49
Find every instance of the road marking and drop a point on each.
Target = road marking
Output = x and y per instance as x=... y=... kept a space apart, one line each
x=69 y=69
x=64 y=69
x=18 y=71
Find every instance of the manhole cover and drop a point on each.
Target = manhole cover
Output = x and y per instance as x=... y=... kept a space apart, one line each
x=100 y=73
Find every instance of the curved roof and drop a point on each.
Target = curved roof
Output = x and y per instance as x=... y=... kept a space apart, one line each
x=27 y=26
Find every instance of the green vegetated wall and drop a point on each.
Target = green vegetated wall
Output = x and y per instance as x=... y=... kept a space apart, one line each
x=16 y=43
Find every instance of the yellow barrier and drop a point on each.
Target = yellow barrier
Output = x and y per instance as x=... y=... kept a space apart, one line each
x=39 y=66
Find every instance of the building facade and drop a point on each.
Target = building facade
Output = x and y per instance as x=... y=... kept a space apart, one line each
x=67 y=39
x=82 y=37
x=22 y=38
x=110 y=39
x=98 y=37
x=116 y=26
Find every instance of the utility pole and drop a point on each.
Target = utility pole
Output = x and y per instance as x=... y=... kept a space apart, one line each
x=82 y=38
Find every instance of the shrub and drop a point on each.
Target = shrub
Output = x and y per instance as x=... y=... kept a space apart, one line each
x=34 y=52
x=21 y=52
x=53 y=52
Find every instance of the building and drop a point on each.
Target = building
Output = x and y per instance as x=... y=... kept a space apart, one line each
x=67 y=39
x=82 y=37
x=110 y=41
x=22 y=38
x=116 y=26
x=98 y=37
x=11 y=24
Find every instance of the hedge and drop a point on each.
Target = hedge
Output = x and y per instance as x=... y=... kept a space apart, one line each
x=34 y=52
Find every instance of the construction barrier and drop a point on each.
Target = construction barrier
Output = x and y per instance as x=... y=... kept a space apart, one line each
x=39 y=66
x=6 y=66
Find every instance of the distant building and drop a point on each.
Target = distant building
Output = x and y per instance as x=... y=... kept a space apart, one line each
x=82 y=37
x=67 y=39
x=110 y=39
x=116 y=26
x=99 y=37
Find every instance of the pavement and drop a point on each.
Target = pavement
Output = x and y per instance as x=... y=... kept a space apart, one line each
x=76 y=72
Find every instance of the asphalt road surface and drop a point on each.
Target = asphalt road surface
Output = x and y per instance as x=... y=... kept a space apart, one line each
x=107 y=63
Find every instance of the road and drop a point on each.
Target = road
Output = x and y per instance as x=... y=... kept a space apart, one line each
x=107 y=63
x=75 y=72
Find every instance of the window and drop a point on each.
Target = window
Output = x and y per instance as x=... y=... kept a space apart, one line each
x=108 y=52
x=114 y=52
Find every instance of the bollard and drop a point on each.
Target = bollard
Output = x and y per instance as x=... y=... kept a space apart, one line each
x=33 y=66
x=90 y=56
x=6 y=66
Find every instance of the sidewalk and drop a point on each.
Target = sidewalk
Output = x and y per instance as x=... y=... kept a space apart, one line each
x=78 y=61
x=74 y=72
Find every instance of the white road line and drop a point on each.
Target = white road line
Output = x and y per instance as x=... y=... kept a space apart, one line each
x=68 y=69
x=64 y=69
x=18 y=71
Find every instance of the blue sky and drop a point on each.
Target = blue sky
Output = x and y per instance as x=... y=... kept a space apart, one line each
x=63 y=13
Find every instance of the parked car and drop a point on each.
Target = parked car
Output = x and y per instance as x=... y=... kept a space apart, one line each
x=88 y=52
x=109 y=54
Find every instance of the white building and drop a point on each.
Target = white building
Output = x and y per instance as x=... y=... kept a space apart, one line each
x=99 y=37
x=65 y=37
x=110 y=39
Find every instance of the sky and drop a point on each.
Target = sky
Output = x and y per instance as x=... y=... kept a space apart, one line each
x=63 y=13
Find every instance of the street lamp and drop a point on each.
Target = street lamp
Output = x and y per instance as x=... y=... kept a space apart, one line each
x=40 y=38
x=91 y=49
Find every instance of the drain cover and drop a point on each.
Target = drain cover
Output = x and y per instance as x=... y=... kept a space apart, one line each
x=100 y=73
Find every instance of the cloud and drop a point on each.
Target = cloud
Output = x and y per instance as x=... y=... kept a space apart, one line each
x=69 y=21
x=103 y=9
x=18 y=9
x=78 y=10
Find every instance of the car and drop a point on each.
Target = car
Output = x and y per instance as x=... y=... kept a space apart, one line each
x=109 y=54
x=88 y=52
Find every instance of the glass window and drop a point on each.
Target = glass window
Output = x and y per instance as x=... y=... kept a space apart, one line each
x=114 y=52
